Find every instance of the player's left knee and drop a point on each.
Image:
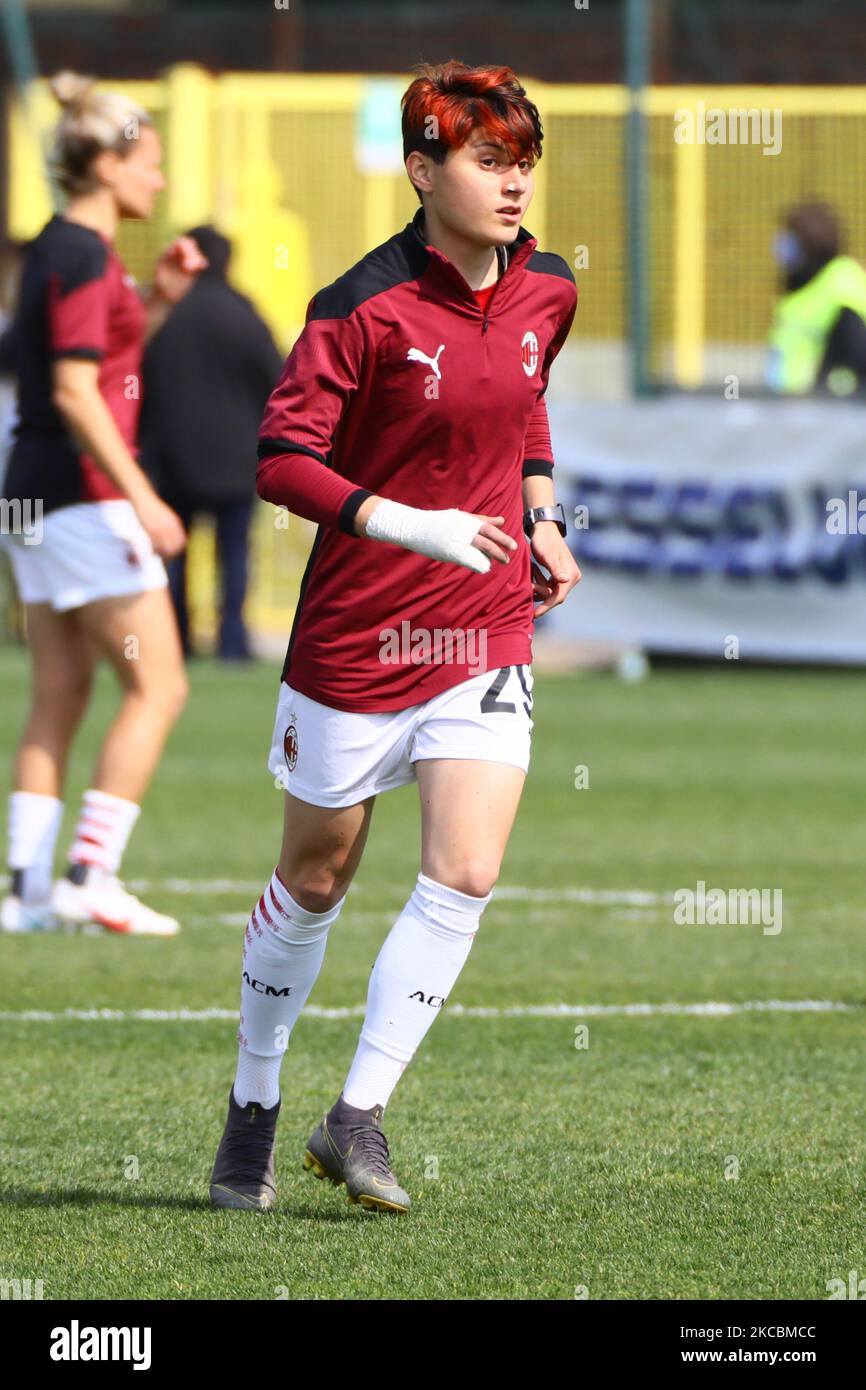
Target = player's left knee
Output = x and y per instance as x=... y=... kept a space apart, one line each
x=171 y=695
x=476 y=877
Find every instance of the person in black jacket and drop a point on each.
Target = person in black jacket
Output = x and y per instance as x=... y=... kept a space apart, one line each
x=207 y=376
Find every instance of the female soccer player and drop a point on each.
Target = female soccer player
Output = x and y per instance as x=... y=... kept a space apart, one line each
x=409 y=422
x=86 y=556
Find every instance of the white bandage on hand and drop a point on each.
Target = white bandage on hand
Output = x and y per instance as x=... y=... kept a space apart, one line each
x=443 y=535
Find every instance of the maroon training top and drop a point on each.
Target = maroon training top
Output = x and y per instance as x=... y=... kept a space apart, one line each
x=401 y=384
x=76 y=300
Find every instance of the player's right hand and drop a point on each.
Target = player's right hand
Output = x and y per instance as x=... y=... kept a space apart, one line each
x=449 y=534
x=163 y=526
x=491 y=541
x=178 y=268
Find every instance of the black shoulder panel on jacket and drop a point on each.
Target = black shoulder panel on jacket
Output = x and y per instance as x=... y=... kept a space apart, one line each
x=548 y=263
x=395 y=262
x=77 y=254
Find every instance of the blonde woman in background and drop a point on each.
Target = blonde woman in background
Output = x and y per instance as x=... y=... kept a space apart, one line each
x=91 y=530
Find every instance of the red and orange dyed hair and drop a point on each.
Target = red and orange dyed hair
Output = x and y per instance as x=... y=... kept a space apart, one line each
x=460 y=98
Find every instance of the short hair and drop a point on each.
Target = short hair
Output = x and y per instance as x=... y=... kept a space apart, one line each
x=446 y=102
x=816 y=227
x=214 y=245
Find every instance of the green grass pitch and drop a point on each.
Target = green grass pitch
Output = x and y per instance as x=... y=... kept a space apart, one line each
x=538 y=1169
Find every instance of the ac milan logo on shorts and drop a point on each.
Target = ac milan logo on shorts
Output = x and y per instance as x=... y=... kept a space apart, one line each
x=290 y=747
x=529 y=352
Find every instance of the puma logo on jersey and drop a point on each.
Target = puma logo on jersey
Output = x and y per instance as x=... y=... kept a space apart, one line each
x=416 y=355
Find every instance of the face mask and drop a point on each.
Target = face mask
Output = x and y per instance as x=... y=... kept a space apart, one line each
x=787 y=251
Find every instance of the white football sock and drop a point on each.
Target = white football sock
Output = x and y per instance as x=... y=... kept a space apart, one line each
x=34 y=821
x=416 y=968
x=258 y=1079
x=284 y=946
x=104 y=827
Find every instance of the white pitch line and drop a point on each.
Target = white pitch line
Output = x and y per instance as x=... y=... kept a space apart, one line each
x=240 y=919
x=219 y=887
x=222 y=887
x=711 y=1009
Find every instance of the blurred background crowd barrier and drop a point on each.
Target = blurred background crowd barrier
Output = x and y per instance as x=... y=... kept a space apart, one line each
x=719 y=530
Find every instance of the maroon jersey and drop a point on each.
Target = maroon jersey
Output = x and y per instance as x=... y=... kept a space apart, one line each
x=76 y=300
x=402 y=385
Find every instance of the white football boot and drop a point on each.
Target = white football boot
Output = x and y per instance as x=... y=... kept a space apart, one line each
x=103 y=899
x=16 y=916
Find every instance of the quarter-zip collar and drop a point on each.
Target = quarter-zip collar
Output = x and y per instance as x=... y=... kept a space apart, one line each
x=521 y=249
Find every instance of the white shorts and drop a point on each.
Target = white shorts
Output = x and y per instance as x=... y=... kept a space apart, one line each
x=86 y=552
x=333 y=757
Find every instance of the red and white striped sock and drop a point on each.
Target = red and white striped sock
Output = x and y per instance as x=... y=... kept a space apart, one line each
x=104 y=827
x=284 y=946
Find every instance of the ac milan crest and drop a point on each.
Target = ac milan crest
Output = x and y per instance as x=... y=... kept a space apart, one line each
x=529 y=352
x=290 y=747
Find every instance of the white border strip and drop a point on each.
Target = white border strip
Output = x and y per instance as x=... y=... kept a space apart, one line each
x=710 y=1009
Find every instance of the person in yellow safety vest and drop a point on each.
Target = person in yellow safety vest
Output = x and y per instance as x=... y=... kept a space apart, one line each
x=818 y=338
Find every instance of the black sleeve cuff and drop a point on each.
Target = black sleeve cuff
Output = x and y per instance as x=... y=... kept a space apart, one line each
x=270 y=448
x=537 y=468
x=85 y=354
x=350 y=508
